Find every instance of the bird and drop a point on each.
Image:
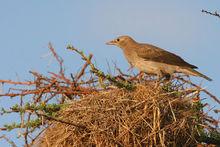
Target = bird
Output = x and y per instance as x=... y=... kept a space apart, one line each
x=154 y=60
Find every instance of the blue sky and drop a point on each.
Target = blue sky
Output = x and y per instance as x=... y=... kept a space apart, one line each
x=27 y=26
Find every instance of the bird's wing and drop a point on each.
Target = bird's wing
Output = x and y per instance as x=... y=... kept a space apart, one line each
x=153 y=53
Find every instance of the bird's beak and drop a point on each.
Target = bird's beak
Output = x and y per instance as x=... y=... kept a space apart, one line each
x=113 y=42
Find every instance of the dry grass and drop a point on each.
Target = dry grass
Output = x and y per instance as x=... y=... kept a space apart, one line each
x=147 y=116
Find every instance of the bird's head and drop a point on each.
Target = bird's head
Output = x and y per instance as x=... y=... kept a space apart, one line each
x=121 y=41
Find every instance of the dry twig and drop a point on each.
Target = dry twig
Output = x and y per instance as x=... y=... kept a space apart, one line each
x=211 y=13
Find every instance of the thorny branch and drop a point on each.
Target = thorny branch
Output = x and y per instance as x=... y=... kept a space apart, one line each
x=17 y=82
x=82 y=72
x=99 y=73
x=61 y=120
x=200 y=88
x=211 y=13
x=59 y=59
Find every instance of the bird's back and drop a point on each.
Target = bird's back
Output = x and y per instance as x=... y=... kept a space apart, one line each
x=154 y=53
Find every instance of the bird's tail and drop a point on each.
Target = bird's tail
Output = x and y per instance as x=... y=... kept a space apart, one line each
x=193 y=72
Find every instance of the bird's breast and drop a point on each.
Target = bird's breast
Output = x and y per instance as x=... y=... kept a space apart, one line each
x=153 y=67
x=130 y=56
x=146 y=66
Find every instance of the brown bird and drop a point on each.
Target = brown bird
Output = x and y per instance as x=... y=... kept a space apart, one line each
x=154 y=60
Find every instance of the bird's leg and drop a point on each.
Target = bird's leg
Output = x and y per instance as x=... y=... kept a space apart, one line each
x=131 y=67
x=141 y=74
x=163 y=77
x=160 y=77
x=138 y=76
x=167 y=77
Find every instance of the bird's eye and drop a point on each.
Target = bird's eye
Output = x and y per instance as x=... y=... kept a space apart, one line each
x=118 y=39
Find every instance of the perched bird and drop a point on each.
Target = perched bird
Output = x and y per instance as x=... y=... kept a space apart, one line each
x=154 y=60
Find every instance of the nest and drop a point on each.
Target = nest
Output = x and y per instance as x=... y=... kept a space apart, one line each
x=146 y=116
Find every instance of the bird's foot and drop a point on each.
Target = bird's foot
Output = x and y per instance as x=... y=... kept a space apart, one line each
x=158 y=82
x=167 y=77
x=141 y=75
x=163 y=79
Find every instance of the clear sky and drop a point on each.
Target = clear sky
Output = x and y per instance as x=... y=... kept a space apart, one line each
x=27 y=26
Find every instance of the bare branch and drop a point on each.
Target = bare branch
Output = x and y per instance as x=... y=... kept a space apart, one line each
x=206 y=91
x=211 y=13
x=59 y=59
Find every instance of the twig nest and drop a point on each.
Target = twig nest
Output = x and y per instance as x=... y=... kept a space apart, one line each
x=146 y=116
